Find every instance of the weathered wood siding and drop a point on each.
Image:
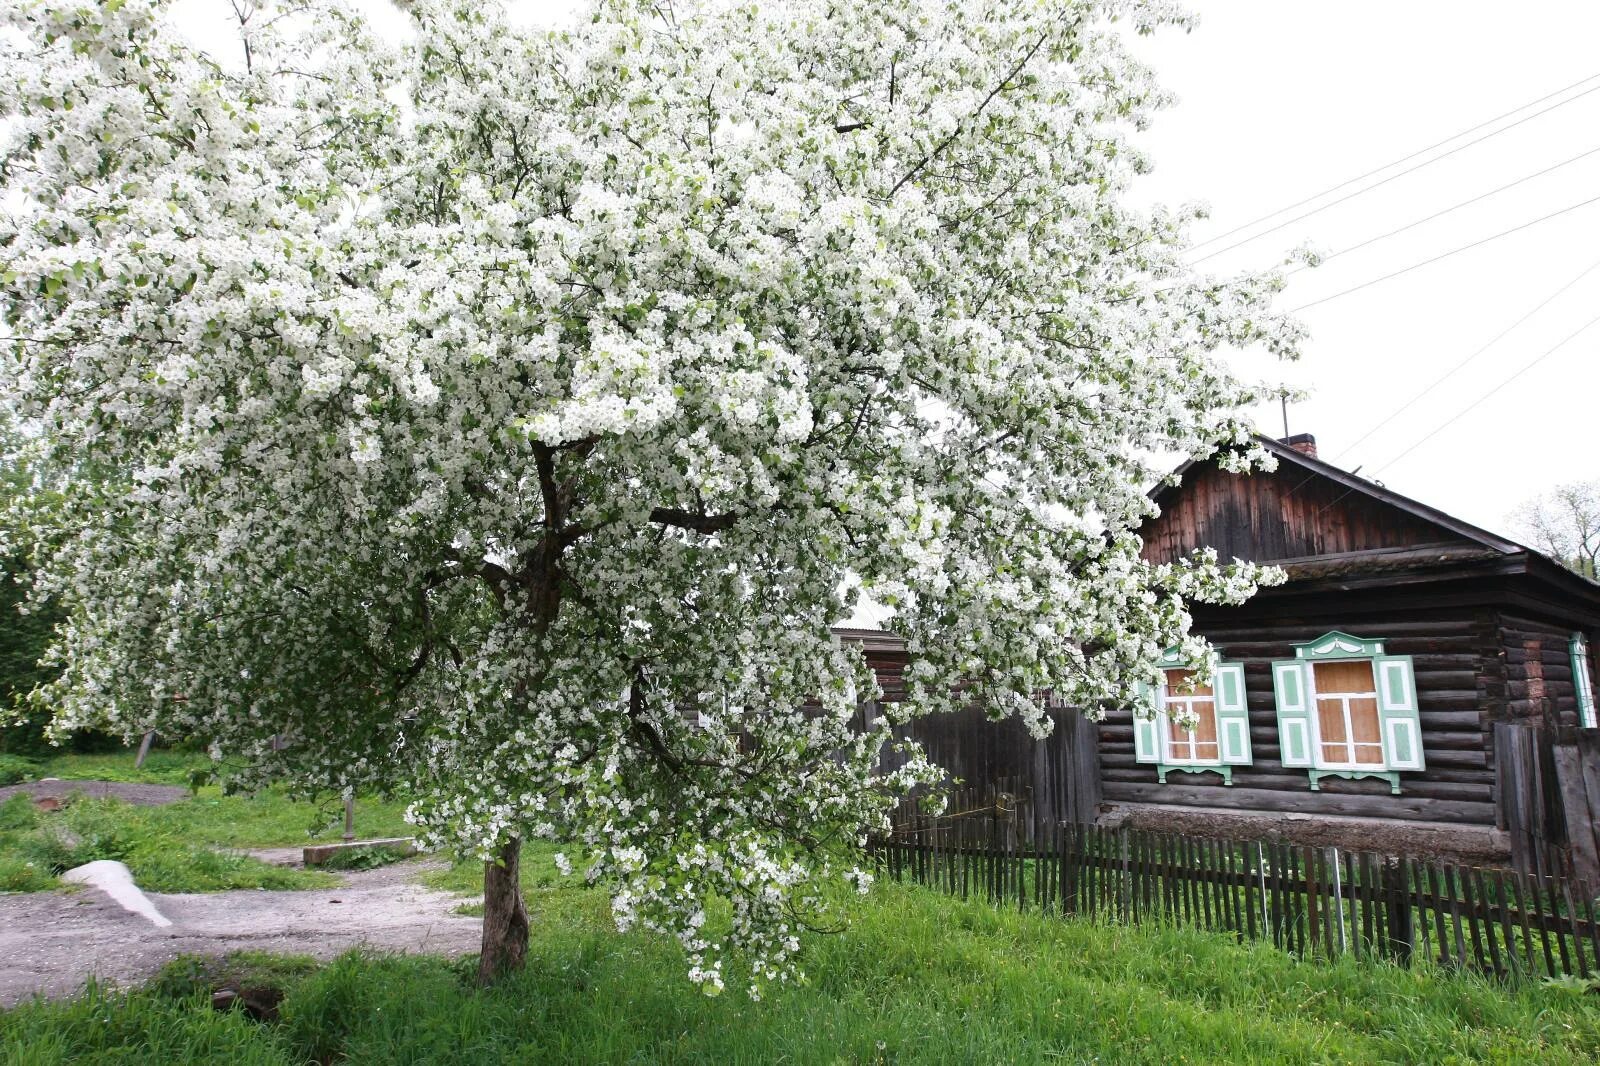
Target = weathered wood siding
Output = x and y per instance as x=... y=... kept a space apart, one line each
x=1047 y=781
x=1456 y=655
x=1539 y=682
x=1549 y=778
x=1289 y=513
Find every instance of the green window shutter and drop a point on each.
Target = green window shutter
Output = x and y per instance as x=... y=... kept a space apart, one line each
x=1583 y=680
x=1397 y=712
x=1146 y=731
x=1294 y=711
x=1233 y=714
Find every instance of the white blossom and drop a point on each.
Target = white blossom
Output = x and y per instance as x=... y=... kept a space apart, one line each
x=481 y=414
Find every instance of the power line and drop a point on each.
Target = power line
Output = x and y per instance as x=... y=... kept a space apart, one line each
x=1392 y=177
x=1496 y=339
x=1474 y=405
x=1445 y=255
x=1452 y=207
x=1397 y=162
x=1453 y=419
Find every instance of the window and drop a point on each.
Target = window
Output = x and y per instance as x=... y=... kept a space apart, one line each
x=1216 y=737
x=1182 y=700
x=1346 y=709
x=1346 y=694
x=1583 y=680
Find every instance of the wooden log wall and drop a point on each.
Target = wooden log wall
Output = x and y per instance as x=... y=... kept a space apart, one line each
x=1539 y=681
x=1456 y=655
x=1286 y=514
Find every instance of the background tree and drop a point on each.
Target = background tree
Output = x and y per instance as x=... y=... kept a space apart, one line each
x=1564 y=523
x=25 y=630
x=511 y=413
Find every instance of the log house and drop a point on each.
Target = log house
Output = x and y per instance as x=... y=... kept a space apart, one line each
x=1417 y=686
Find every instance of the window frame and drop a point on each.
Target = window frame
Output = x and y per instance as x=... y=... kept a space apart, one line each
x=1318 y=744
x=1231 y=715
x=1583 y=680
x=1165 y=729
x=1394 y=690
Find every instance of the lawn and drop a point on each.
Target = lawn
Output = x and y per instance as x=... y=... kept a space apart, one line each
x=918 y=977
x=161 y=766
x=181 y=847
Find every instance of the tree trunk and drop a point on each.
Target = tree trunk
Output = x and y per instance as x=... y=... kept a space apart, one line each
x=505 y=917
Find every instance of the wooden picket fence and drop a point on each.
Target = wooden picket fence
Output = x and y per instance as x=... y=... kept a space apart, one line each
x=1315 y=902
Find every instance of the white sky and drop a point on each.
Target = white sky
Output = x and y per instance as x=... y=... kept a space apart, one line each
x=1282 y=99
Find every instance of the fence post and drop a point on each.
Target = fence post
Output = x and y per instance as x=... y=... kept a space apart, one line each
x=1338 y=897
x=1261 y=872
x=144 y=749
x=1124 y=883
x=1397 y=907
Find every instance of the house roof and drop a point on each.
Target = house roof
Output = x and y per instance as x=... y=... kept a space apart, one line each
x=1478 y=551
x=870 y=639
x=1355 y=483
x=1477 y=548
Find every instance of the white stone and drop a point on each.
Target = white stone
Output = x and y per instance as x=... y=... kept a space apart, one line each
x=113 y=878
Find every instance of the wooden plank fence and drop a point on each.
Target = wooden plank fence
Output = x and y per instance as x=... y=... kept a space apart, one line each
x=1314 y=902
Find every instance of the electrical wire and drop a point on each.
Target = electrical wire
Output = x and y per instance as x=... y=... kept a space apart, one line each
x=1440 y=380
x=1452 y=207
x=1453 y=419
x=1444 y=255
x=1403 y=159
x=1474 y=405
x=1436 y=382
x=1385 y=181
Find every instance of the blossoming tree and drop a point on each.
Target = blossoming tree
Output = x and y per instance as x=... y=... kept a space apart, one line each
x=509 y=413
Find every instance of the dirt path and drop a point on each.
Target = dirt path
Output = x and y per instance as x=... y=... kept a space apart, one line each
x=51 y=942
x=140 y=795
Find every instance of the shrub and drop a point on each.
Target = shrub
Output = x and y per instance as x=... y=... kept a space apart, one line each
x=15 y=768
x=370 y=857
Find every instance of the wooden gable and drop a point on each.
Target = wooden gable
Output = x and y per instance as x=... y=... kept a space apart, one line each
x=1304 y=508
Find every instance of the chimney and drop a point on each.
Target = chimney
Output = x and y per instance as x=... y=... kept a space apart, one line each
x=1304 y=443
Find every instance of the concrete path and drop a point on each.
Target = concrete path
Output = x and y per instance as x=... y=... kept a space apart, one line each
x=51 y=942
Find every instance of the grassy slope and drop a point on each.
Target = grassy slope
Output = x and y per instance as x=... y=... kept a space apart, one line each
x=172 y=848
x=160 y=767
x=918 y=978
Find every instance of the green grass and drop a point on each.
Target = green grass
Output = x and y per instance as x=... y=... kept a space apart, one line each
x=179 y=847
x=266 y=819
x=36 y=846
x=537 y=872
x=918 y=978
x=161 y=767
x=14 y=768
x=102 y=1027
x=363 y=858
x=271 y=819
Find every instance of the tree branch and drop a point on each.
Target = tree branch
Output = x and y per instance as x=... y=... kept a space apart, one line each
x=961 y=126
x=700 y=523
